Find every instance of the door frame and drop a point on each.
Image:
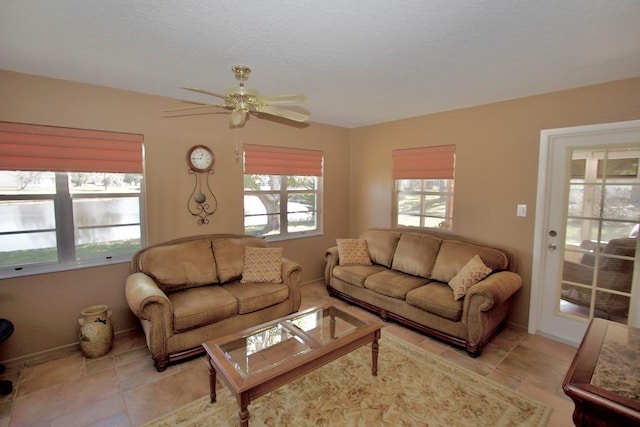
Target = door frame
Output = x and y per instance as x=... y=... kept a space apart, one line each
x=547 y=137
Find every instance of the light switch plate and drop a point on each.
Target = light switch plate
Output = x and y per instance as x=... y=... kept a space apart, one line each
x=522 y=210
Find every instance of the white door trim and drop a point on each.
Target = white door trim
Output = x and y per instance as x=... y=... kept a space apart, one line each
x=547 y=137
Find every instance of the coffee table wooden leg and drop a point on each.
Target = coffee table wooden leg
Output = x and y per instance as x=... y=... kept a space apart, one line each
x=212 y=382
x=243 y=401
x=374 y=356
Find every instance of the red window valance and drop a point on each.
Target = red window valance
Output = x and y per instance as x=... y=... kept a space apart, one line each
x=49 y=148
x=424 y=163
x=268 y=160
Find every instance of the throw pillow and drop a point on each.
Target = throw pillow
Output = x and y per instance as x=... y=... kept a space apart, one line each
x=353 y=252
x=472 y=272
x=262 y=265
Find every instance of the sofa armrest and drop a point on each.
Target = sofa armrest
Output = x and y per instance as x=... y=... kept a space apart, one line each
x=149 y=303
x=291 y=275
x=485 y=306
x=331 y=260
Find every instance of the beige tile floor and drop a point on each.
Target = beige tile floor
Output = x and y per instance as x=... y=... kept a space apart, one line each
x=123 y=388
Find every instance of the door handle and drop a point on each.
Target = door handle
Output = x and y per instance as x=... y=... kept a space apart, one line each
x=552 y=247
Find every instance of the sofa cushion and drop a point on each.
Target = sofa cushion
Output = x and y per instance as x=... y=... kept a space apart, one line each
x=472 y=272
x=454 y=255
x=436 y=298
x=356 y=274
x=382 y=245
x=197 y=307
x=262 y=265
x=256 y=296
x=353 y=252
x=229 y=254
x=181 y=265
x=416 y=254
x=394 y=284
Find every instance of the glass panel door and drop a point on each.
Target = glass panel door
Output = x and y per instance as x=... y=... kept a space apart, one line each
x=603 y=213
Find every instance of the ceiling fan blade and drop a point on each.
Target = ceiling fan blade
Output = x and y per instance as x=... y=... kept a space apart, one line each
x=284 y=98
x=238 y=117
x=192 y=107
x=206 y=92
x=281 y=112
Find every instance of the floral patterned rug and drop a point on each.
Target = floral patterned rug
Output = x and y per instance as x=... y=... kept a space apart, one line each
x=413 y=388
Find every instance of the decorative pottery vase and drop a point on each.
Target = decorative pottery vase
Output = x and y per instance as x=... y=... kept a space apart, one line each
x=96 y=332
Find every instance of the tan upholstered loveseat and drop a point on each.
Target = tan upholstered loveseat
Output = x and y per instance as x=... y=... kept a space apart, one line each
x=188 y=291
x=408 y=281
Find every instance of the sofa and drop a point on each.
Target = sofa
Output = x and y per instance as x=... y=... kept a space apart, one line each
x=446 y=286
x=615 y=272
x=191 y=290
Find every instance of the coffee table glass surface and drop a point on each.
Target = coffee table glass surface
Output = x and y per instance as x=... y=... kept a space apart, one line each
x=289 y=338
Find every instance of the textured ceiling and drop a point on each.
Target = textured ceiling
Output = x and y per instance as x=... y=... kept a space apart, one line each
x=359 y=62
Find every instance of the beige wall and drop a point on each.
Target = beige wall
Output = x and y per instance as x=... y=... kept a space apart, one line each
x=496 y=163
x=45 y=308
x=497 y=151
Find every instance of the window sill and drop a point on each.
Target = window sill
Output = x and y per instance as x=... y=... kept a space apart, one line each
x=280 y=238
x=9 y=272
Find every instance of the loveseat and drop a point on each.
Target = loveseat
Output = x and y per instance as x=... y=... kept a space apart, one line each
x=194 y=289
x=446 y=286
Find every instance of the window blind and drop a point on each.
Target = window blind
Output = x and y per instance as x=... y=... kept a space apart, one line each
x=268 y=160
x=49 y=148
x=424 y=163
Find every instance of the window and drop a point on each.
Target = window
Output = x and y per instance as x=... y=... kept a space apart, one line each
x=424 y=184
x=281 y=191
x=57 y=215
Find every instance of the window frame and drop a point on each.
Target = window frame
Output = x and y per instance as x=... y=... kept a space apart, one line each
x=448 y=193
x=283 y=197
x=65 y=230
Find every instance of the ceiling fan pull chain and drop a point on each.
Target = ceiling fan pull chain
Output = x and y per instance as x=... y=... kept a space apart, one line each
x=237 y=152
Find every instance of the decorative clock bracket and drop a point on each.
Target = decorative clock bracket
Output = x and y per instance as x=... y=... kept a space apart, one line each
x=201 y=159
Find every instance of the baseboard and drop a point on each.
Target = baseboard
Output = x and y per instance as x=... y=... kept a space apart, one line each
x=52 y=353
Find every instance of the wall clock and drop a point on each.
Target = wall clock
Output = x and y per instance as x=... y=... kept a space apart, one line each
x=201 y=159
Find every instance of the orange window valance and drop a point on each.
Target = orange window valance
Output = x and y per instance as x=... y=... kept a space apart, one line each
x=56 y=149
x=424 y=163
x=268 y=160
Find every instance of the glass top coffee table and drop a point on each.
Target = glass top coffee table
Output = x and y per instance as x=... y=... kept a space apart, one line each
x=258 y=360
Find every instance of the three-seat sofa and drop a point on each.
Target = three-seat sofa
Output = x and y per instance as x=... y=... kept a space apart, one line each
x=429 y=280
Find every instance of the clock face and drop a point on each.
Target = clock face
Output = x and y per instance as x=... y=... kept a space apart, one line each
x=200 y=158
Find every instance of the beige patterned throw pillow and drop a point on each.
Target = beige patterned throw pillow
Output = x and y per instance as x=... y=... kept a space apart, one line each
x=472 y=272
x=353 y=252
x=262 y=265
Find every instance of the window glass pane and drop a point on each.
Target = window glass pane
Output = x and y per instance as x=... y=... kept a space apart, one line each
x=619 y=168
x=100 y=183
x=29 y=248
x=262 y=182
x=619 y=203
x=109 y=241
x=435 y=205
x=409 y=220
x=19 y=244
x=408 y=204
x=27 y=182
x=302 y=183
x=263 y=225
x=409 y=184
x=298 y=222
x=106 y=211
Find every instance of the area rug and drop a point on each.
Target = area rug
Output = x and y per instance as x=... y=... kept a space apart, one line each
x=413 y=388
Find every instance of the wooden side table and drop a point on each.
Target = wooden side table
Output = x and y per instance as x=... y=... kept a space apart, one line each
x=604 y=378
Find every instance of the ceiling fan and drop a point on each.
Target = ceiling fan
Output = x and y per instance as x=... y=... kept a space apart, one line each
x=241 y=100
